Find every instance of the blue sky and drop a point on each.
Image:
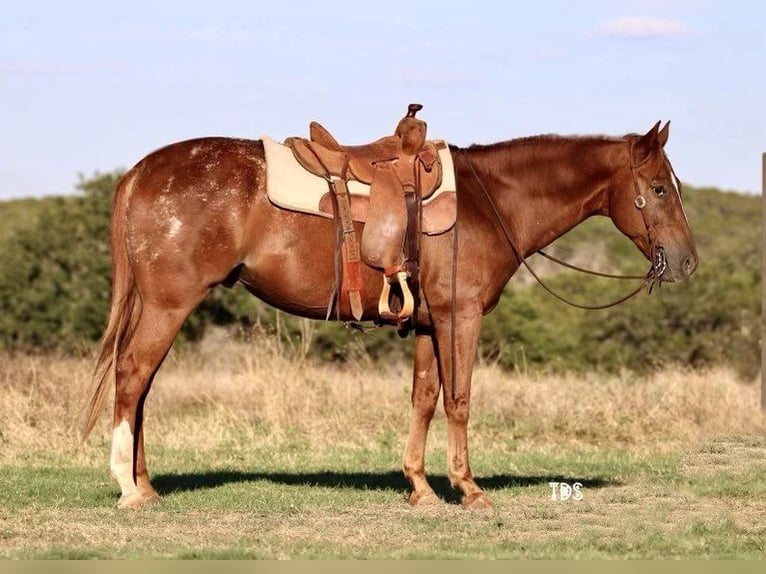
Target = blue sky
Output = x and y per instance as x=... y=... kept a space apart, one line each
x=88 y=86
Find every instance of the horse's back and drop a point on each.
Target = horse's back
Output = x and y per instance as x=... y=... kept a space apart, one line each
x=209 y=162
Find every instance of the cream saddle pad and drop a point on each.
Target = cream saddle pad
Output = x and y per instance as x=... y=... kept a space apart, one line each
x=291 y=187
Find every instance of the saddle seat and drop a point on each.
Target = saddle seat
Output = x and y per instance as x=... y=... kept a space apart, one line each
x=322 y=155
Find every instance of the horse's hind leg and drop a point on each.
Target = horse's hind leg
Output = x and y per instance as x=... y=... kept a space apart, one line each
x=425 y=395
x=142 y=475
x=136 y=366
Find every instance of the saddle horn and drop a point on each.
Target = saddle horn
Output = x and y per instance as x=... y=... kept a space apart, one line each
x=412 y=109
x=411 y=130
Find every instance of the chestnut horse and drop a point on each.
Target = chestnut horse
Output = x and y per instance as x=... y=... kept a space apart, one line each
x=195 y=215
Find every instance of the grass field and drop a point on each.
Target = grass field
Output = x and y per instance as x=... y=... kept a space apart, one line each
x=261 y=455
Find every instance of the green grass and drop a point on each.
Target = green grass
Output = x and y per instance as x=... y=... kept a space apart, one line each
x=308 y=502
x=259 y=457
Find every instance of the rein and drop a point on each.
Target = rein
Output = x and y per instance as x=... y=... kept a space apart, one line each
x=649 y=279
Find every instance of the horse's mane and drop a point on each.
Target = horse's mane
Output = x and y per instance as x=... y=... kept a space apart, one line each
x=544 y=138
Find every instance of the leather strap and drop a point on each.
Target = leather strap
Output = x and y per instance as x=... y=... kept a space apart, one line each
x=351 y=286
x=351 y=279
x=522 y=260
x=414 y=204
x=413 y=201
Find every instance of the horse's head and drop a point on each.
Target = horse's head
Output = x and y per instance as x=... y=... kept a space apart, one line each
x=646 y=206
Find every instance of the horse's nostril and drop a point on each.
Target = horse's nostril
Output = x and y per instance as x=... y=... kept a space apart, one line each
x=690 y=264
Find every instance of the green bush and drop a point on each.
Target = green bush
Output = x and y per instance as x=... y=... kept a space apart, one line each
x=54 y=294
x=54 y=272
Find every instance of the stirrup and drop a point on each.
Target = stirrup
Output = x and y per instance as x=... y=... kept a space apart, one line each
x=408 y=305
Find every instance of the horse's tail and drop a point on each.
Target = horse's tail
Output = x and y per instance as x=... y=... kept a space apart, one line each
x=125 y=310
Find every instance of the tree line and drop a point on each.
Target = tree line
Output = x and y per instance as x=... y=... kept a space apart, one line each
x=55 y=289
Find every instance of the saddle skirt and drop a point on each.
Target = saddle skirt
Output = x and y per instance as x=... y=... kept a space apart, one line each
x=290 y=186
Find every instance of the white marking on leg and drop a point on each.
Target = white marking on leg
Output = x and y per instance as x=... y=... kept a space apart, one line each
x=121 y=458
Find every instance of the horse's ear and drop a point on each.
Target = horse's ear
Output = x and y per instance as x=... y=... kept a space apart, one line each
x=663 y=135
x=646 y=144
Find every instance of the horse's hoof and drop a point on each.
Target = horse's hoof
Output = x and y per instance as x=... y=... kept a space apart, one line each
x=132 y=500
x=137 y=500
x=478 y=501
x=427 y=498
x=151 y=498
x=147 y=491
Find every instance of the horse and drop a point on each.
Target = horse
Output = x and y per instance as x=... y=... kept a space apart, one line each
x=195 y=215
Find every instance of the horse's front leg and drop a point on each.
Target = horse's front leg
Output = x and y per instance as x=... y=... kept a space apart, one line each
x=457 y=404
x=425 y=395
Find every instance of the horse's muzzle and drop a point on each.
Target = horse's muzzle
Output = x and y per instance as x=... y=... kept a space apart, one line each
x=672 y=267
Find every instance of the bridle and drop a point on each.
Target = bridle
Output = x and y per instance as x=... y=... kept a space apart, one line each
x=657 y=252
x=652 y=277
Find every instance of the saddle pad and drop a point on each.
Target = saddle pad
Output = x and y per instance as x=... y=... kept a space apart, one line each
x=291 y=187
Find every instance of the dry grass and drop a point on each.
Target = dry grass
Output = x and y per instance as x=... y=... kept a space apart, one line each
x=242 y=437
x=224 y=391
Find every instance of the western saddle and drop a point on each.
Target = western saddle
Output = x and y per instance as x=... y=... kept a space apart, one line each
x=401 y=170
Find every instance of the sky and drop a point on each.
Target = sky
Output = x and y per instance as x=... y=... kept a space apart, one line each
x=94 y=86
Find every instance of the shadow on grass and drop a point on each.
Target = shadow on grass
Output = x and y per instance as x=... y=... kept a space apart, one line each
x=391 y=480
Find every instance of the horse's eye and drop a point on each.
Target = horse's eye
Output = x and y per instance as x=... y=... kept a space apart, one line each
x=659 y=190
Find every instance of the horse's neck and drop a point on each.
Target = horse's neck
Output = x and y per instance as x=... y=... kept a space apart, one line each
x=543 y=193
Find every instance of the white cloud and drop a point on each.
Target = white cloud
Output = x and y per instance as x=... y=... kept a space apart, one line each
x=642 y=27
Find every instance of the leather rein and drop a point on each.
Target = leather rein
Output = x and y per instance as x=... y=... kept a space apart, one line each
x=652 y=277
